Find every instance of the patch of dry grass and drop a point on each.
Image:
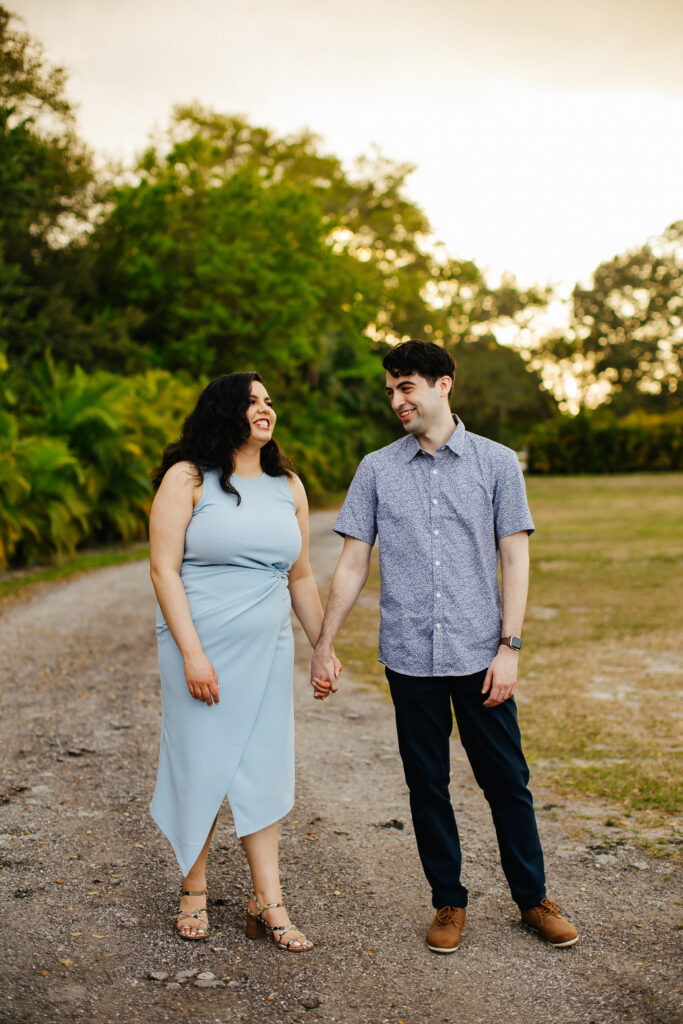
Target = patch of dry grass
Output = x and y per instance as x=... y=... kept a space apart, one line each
x=600 y=677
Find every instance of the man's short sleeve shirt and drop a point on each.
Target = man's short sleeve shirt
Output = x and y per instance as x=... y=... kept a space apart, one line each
x=438 y=519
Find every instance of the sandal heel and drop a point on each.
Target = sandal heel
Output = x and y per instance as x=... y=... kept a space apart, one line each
x=254 y=928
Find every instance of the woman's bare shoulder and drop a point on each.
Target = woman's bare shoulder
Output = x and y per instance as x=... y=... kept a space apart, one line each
x=182 y=474
x=298 y=491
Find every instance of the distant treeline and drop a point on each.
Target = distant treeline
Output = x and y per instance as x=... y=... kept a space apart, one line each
x=227 y=247
x=598 y=442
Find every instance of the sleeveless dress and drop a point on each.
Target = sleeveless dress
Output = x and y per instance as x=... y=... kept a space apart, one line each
x=234 y=570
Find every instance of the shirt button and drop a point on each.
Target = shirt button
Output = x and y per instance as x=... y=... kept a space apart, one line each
x=438 y=625
x=435 y=501
x=438 y=594
x=434 y=472
x=437 y=562
x=436 y=533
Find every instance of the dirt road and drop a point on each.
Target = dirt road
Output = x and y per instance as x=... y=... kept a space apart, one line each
x=89 y=885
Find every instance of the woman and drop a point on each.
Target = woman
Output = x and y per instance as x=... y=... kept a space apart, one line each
x=229 y=558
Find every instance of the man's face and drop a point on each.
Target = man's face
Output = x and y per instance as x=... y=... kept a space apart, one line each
x=417 y=403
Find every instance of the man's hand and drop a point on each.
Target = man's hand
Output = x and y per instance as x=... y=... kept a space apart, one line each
x=501 y=677
x=325 y=669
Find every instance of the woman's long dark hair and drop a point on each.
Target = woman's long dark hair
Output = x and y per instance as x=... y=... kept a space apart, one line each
x=215 y=429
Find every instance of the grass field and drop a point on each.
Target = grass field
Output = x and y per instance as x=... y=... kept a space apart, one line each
x=599 y=693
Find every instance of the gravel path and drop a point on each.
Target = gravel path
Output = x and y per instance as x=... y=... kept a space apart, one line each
x=89 y=885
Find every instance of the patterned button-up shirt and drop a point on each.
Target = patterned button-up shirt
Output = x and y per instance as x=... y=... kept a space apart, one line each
x=438 y=518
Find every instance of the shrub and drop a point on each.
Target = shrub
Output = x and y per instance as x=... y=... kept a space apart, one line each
x=600 y=443
x=75 y=468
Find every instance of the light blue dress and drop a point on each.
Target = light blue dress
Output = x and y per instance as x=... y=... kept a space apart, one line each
x=234 y=570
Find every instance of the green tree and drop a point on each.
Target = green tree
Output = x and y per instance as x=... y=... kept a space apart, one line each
x=409 y=286
x=626 y=331
x=496 y=393
x=234 y=247
x=222 y=274
x=46 y=190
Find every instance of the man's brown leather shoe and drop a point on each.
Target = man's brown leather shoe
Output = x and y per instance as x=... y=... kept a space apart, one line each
x=446 y=929
x=550 y=925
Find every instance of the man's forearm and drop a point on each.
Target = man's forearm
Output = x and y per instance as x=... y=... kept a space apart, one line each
x=514 y=590
x=347 y=583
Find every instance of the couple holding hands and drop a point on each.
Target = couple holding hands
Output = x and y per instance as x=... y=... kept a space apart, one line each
x=229 y=541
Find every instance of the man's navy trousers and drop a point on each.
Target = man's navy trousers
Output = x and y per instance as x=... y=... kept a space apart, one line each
x=492 y=742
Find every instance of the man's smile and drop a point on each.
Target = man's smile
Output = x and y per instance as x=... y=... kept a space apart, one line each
x=405 y=413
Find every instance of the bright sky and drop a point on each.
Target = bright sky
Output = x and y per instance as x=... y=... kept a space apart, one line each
x=546 y=133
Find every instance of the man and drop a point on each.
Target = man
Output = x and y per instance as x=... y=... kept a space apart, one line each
x=446 y=505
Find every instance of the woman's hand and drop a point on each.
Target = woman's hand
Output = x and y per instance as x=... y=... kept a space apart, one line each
x=201 y=678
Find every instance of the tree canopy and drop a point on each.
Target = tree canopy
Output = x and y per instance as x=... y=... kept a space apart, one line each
x=227 y=247
x=626 y=331
x=46 y=182
x=225 y=224
x=495 y=391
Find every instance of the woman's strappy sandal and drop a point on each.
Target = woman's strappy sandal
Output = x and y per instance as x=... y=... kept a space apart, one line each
x=189 y=915
x=257 y=926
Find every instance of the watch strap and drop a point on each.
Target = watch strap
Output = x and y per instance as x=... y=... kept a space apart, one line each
x=506 y=641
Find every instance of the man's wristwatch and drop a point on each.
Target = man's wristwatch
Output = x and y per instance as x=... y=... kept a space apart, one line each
x=515 y=642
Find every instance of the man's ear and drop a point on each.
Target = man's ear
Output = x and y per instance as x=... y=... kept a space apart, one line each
x=445 y=385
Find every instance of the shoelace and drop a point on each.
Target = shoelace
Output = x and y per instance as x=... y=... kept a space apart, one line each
x=548 y=907
x=447 y=914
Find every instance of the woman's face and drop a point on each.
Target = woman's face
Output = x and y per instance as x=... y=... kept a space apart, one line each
x=260 y=414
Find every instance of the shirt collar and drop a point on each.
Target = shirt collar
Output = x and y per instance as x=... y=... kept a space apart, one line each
x=456 y=442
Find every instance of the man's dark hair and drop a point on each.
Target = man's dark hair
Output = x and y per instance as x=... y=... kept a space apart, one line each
x=424 y=357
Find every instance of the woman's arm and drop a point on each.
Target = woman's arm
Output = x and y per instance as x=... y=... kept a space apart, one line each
x=302 y=586
x=170 y=516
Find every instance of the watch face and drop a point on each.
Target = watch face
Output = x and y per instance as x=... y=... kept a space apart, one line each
x=515 y=643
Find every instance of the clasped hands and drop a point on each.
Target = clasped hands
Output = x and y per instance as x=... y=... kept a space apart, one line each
x=325 y=669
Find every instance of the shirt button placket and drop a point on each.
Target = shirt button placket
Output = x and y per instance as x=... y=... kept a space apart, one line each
x=437 y=631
